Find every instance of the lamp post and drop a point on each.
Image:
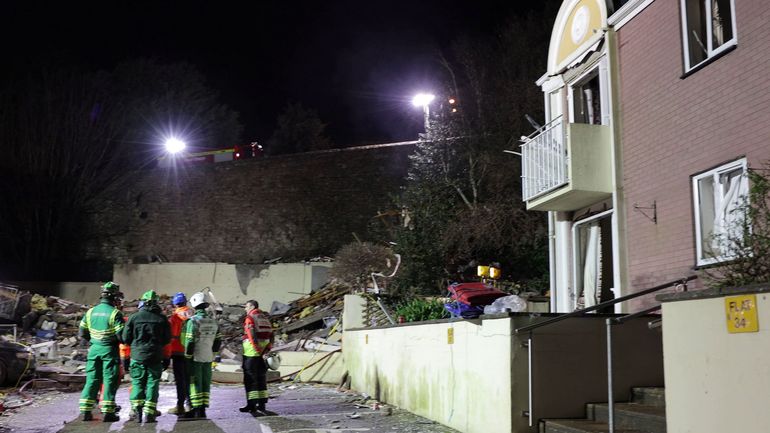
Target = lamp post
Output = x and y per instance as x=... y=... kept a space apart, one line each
x=175 y=145
x=423 y=100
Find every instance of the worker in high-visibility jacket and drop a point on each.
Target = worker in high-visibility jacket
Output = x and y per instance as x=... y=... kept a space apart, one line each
x=173 y=353
x=147 y=332
x=257 y=341
x=102 y=326
x=201 y=340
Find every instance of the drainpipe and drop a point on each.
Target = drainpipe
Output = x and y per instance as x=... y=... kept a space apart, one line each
x=552 y=260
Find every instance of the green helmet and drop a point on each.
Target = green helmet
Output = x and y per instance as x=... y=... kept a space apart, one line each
x=150 y=296
x=110 y=289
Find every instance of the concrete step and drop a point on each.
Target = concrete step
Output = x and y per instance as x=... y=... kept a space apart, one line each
x=651 y=396
x=645 y=418
x=579 y=426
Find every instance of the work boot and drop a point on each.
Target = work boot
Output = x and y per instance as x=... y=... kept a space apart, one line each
x=177 y=410
x=136 y=414
x=190 y=415
x=247 y=408
x=110 y=417
x=256 y=413
x=87 y=416
x=261 y=408
x=149 y=418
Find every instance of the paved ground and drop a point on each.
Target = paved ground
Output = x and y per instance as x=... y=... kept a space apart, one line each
x=301 y=409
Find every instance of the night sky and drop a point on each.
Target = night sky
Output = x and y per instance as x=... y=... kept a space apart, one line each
x=356 y=62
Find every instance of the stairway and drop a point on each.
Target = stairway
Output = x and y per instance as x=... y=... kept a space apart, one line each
x=646 y=413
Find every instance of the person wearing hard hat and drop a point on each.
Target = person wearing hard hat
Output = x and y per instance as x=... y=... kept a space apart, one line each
x=147 y=332
x=257 y=341
x=173 y=353
x=101 y=326
x=201 y=340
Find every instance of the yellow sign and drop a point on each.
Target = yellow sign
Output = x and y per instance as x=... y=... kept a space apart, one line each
x=741 y=314
x=450 y=336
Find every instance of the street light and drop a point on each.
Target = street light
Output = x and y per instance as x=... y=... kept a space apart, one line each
x=423 y=100
x=175 y=145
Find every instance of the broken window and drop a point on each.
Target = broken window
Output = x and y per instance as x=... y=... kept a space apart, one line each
x=708 y=28
x=586 y=100
x=719 y=213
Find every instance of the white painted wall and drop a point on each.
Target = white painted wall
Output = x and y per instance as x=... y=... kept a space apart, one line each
x=231 y=284
x=716 y=382
x=465 y=385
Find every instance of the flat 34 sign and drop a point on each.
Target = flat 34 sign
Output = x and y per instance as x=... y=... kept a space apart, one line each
x=741 y=314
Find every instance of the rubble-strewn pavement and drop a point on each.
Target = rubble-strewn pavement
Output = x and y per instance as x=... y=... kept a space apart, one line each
x=301 y=408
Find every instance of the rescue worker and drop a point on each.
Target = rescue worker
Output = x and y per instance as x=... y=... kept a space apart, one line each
x=174 y=353
x=147 y=332
x=102 y=326
x=201 y=340
x=257 y=341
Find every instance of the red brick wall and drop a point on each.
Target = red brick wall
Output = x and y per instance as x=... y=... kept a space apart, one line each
x=673 y=128
x=293 y=206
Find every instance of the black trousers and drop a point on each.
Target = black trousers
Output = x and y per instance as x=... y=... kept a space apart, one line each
x=182 y=379
x=255 y=380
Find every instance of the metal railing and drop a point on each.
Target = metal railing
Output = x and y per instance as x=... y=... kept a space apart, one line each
x=544 y=160
x=608 y=323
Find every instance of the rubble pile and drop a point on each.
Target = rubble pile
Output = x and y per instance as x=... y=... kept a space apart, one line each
x=311 y=322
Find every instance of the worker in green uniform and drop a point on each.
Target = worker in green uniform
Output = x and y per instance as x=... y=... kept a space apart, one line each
x=201 y=340
x=146 y=331
x=102 y=326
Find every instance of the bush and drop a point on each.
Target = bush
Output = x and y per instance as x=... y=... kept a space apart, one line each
x=354 y=263
x=420 y=309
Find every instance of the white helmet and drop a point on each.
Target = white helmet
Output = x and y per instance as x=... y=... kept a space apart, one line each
x=273 y=360
x=197 y=299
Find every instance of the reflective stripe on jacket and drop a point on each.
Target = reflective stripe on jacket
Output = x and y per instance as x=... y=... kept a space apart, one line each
x=257 y=334
x=202 y=332
x=102 y=324
x=176 y=322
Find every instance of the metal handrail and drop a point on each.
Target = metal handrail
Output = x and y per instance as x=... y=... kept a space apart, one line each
x=603 y=304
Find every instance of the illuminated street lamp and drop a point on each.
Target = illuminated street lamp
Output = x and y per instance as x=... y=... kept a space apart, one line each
x=423 y=100
x=175 y=145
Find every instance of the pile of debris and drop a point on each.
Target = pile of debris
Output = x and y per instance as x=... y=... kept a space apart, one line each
x=311 y=323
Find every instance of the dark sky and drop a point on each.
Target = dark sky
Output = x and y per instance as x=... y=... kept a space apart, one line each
x=356 y=62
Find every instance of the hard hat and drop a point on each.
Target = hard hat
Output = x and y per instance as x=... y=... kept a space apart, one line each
x=110 y=288
x=150 y=296
x=197 y=299
x=273 y=360
x=179 y=299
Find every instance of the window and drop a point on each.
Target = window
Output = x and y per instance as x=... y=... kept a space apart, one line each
x=587 y=100
x=719 y=220
x=708 y=28
x=593 y=275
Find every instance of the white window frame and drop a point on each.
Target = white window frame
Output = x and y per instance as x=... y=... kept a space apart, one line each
x=711 y=51
x=714 y=173
x=577 y=274
x=600 y=69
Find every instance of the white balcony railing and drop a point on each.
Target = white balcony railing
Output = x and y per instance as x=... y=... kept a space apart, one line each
x=544 y=160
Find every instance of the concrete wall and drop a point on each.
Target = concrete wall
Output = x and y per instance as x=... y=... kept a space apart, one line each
x=324 y=369
x=86 y=293
x=715 y=381
x=674 y=127
x=232 y=284
x=464 y=384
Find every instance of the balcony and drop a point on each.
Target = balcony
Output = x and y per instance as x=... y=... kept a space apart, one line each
x=567 y=166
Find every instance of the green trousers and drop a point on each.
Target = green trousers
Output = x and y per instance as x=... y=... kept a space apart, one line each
x=200 y=383
x=101 y=368
x=145 y=385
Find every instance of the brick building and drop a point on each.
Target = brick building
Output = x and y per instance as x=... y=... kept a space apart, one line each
x=653 y=119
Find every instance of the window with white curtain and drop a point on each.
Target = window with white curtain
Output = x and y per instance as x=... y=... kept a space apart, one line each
x=719 y=196
x=708 y=28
